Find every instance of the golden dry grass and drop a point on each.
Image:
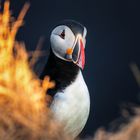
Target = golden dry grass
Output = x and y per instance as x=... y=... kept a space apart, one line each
x=24 y=114
x=130 y=131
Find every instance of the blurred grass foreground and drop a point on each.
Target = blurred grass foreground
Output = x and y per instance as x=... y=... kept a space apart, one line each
x=24 y=114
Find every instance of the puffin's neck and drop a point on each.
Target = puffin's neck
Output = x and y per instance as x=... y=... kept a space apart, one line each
x=62 y=72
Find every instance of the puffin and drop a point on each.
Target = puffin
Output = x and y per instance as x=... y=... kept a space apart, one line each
x=70 y=100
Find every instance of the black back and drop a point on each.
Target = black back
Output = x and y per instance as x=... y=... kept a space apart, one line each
x=62 y=72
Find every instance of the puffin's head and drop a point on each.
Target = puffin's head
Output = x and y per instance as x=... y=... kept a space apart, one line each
x=68 y=42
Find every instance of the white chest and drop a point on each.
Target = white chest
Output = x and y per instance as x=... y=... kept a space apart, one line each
x=72 y=106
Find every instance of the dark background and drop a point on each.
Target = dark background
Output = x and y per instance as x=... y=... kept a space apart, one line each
x=112 y=44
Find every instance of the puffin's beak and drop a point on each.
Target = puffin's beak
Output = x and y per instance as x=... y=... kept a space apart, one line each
x=78 y=55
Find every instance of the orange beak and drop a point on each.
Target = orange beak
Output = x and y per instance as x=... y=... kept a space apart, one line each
x=77 y=53
x=81 y=59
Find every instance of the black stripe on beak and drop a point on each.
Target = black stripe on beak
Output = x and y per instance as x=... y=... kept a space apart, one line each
x=76 y=51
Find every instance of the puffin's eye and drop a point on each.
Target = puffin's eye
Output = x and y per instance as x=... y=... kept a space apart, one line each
x=62 y=35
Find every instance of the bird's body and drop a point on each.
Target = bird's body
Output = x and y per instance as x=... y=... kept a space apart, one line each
x=71 y=103
x=71 y=106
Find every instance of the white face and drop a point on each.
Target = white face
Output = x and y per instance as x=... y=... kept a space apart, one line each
x=62 y=38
